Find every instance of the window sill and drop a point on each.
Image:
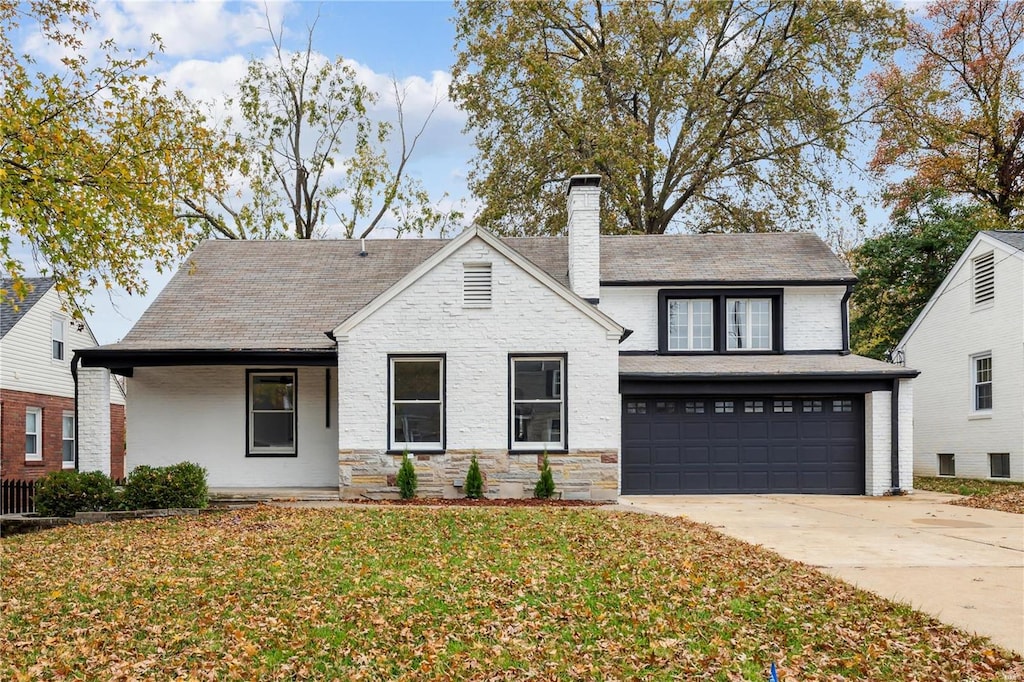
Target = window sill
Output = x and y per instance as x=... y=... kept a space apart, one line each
x=272 y=454
x=975 y=416
x=539 y=451
x=68 y=465
x=416 y=451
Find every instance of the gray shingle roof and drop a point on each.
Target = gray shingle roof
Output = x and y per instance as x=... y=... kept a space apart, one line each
x=8 y=315
x=698 y=366
x=285 y=294
x=1014 y=238
x=772 y=256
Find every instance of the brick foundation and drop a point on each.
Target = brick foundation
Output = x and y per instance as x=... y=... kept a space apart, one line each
x=579 y=474
x=12 y=435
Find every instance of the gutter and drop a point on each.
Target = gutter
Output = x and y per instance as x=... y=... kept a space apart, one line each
x=75 y=360
x=844 y=307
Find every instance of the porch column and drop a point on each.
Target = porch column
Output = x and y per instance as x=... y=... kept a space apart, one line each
x=93 y=419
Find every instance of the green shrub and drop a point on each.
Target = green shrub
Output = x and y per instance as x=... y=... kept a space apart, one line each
x=178 y=485
x=474 y=485
x=545 y=487
x=58 y=493
x=98 y=493
x=407 y=478
x=63 y=493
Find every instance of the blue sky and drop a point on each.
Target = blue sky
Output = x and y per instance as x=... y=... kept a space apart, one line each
x=207 y=44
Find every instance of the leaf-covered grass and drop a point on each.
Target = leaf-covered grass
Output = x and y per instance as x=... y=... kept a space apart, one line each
x=1005 y=496
x=445 y=594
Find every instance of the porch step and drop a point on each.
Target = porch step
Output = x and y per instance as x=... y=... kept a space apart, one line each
x=229 y=496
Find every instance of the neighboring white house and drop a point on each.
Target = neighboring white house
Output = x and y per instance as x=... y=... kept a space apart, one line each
x=38 y=425
x=639 y=364
x=968 y=344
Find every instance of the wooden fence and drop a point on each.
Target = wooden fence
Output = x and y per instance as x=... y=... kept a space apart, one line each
x=17 y=497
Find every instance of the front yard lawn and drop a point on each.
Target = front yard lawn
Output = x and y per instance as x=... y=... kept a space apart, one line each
x=448 y=594
x=1007 y=496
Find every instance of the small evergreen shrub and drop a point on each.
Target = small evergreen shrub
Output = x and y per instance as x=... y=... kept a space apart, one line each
x=175 y=486
x=474 y=485
x=545 y=487
x=407 y=478
x=58 y=493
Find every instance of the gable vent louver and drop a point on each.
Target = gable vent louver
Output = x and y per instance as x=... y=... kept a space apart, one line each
x=984 y=278
x=476 y=285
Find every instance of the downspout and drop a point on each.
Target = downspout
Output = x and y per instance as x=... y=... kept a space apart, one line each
x=75 y=360
x=894 y=431
x=845 y=308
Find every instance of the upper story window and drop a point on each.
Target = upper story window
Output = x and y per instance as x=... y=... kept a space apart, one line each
x=417 y=403
x=58 y=326
x=982 y=380
x=984 y=278
x=538 y=403
x=748 y=323
x=720 y=321
x=691 y=324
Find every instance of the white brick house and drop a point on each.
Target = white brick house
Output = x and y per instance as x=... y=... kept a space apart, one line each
x=640 y=364
x=968 y=343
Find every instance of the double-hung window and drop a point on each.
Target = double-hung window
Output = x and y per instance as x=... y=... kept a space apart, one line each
x=68 y=440
x=691 y=324
x=417 y=403
x=748 y=323
x=538 y=403
x=33 y=434
x=272 y=413
x=57 y=328
x=981 y=368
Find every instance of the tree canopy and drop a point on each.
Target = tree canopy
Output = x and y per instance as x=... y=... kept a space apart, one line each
x=704 y=114
x=953 y=116
x=899 y=270
x=92 y=157
x=310 y=155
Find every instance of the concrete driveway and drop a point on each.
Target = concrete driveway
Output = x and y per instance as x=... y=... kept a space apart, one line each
x=964 y=566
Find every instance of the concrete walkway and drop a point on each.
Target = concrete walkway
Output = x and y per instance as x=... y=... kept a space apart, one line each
x=963 y=566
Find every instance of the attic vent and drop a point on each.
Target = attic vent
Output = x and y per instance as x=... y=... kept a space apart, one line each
x=476 y=285
x=984 y=278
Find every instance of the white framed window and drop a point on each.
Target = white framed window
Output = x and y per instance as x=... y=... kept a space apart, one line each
x=984 y=278
x=67 y=440
x=538 y=403
x=981 y=380
x=272 y=414
x=58 y=327
x=417 y=403
x=748 y=323
x=691 y=324
x=33 y=434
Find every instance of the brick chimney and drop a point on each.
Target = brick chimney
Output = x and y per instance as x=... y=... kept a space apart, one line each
x=584 y=232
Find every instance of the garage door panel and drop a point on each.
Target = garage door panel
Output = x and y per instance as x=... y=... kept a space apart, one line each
x=737 y=444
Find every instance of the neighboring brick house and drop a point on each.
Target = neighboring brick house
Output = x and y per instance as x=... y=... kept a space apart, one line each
x=640 y=364
x=38 y=424
x=968 y=343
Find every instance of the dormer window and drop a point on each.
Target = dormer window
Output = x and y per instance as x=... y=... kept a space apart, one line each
x=984 y=278
x=720 y=321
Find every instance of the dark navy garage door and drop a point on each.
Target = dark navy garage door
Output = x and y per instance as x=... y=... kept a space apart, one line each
x=743 y=445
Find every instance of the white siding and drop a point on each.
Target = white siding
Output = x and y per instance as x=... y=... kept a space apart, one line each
x=525 y=317
x=941 y=347
x=198 y=414
x=26 y=355
x=811 y=316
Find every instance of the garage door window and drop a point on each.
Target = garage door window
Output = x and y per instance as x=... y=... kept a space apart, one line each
x=538 y=403
x=842 y=405
x=753 y=406
x=781 y=406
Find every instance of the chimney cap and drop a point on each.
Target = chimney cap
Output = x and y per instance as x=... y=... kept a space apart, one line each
x=592 y=180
